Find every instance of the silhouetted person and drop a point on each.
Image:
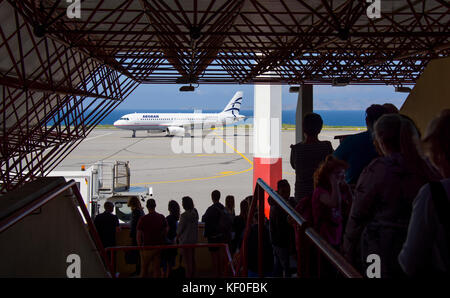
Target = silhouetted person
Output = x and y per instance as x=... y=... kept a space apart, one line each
x=252 y=249
x=151 y=230
x=217 y=229
x=390 y=108
x=187 y=233
x=229 y=204
x=426 y=251
x=107 y=224
x=308 y=154
x=331 y=200
x=136 y=213
x=384 y=195
x=281 y=232
x=358 y=150
x=239 y=224
x=169 y=255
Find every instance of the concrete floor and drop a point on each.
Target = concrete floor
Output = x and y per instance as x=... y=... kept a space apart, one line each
x=175 y=167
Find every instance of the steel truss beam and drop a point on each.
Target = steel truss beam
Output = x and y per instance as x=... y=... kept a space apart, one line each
x=52 y=96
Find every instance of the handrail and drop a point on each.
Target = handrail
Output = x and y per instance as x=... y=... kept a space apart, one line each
x=335 y=258
x=44 y=199
x=168 y=246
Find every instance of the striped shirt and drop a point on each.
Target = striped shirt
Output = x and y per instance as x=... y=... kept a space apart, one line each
x=305 y=159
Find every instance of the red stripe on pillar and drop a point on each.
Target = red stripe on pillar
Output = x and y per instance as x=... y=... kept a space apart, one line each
x=270 y=170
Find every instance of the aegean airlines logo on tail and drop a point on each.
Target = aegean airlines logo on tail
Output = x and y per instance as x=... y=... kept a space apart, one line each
x=234 y=106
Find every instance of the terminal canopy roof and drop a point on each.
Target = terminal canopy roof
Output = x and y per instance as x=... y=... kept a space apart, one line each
x=241 y=41
x=62 y=73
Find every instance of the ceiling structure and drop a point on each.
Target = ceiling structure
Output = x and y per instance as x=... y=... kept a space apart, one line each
x=60 y=76
x=229 y=41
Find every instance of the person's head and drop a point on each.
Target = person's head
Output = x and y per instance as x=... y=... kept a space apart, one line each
x=109 y=207
x=284 y=189
x=244 y=208
x=215 y=196
x=396 y=133
x=151 y=204
x=312 y=124
x=373 y=113
x=174 y=208
x=134 y=203
x=249 y=199
x=331 y=166
x=188 y=203
x=390 y=108
x=229 y=203
x=437 y=142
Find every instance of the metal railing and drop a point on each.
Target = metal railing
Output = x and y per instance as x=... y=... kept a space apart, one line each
x=307 y=235
x=229 y=266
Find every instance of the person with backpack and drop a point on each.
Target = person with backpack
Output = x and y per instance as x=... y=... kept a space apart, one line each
x=218 y=226
x=426 y=251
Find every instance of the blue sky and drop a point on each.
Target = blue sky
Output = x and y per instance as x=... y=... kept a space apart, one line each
x=214 y=97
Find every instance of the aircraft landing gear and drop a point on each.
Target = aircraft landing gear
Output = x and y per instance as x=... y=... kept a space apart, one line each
x=134 y=134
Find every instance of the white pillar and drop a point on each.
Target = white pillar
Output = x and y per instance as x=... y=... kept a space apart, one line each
x=267 y=135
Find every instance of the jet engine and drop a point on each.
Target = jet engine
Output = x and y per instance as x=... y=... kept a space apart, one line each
x=175 y=131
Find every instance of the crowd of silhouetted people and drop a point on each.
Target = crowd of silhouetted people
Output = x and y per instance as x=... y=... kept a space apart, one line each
x=384 y=192
x=221 y=225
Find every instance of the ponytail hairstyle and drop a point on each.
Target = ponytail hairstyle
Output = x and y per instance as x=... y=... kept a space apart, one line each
x=325 y=169
x=398 y=133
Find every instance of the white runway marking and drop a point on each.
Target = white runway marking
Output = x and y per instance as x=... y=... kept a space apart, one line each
x=88 y=139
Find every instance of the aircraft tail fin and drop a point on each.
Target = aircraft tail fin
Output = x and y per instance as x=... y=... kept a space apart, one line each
x=234 y=106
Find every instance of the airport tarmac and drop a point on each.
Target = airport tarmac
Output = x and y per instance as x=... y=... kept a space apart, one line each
x=185 y=166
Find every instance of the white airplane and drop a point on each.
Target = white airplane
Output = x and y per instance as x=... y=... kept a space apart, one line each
x=177 y=123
